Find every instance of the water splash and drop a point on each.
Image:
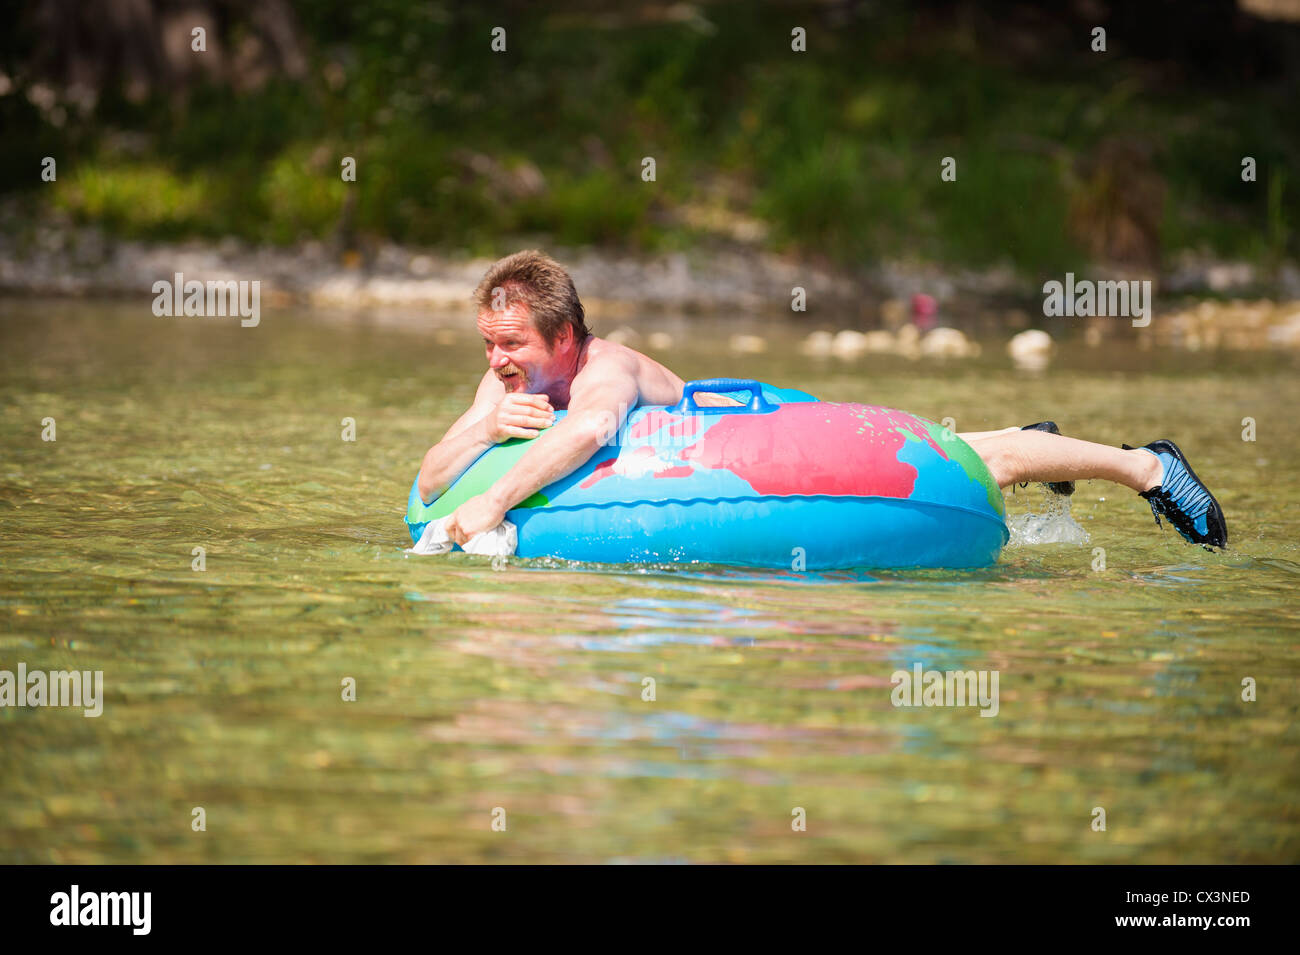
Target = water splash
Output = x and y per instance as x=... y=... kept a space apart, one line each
x=1051 y=523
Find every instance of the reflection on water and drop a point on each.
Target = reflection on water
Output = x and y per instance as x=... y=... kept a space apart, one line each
x=525 y=687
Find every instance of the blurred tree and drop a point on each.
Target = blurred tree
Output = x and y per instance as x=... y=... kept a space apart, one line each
x=83 y=47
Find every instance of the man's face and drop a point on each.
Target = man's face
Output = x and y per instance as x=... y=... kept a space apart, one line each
x=516 y=352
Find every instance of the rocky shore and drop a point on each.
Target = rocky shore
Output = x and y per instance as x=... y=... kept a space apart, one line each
x=1202 y=303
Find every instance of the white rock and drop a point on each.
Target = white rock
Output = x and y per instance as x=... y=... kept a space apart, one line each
x=818 y=344
x=848 y=343
x=1287 y=333
x=946 y=343
x=1031 y=350
x=1035 y=341
x=624 y=336
x=1229 y=275
x=747 y=344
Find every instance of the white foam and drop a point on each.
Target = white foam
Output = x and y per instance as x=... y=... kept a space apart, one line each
x=1051 y=523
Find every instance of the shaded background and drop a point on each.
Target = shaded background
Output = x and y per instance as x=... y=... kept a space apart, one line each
x=1065 y=156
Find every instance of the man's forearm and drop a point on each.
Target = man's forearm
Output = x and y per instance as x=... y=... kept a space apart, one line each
x=449 y=459
x=559 y=451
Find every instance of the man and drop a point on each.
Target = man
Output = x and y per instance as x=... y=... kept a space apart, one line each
x=541 y=358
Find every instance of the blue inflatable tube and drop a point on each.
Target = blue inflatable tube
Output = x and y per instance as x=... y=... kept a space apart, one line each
x=783 y=480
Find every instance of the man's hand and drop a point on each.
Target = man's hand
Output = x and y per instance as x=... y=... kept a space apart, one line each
x=476 y=515
x=519 y=415
x=599 y=399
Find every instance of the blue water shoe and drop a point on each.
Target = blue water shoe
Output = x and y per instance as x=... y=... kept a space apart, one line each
x=1183 y=499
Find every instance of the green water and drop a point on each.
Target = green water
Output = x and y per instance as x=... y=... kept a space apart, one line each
x=521 y=687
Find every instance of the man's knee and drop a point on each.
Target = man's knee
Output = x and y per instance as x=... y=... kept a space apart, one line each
x=1005 y=462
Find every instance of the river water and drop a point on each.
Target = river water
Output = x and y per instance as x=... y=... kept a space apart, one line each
x=516 y=694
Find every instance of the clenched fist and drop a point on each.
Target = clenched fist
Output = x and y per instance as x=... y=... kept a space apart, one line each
x=474 y=516
x=519 y=415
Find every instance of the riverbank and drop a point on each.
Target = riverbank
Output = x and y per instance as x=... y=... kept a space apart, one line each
x=62 y=259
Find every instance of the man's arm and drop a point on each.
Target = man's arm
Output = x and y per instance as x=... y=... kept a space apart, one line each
x=449 y=458
x=479 y=428
x=600 y=399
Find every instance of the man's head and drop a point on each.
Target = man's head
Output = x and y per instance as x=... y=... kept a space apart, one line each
x=531 y=320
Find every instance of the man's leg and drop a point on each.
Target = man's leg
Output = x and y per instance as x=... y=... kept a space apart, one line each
x=1159 y=472
x=1014 y=456
x=969 y=436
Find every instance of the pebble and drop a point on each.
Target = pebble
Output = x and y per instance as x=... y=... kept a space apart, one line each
x=848 y=344
x=818 y=344
x=1031 y=350
x=947 y=343
x=747 y=344
x=624 y=336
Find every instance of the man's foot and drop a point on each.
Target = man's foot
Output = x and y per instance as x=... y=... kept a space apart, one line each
x=1183 y=499
x=1064 y=488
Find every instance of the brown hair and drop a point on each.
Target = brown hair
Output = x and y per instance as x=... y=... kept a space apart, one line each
x=542 y=284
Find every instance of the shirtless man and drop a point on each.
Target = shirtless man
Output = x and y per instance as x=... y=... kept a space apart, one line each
x=541 y=358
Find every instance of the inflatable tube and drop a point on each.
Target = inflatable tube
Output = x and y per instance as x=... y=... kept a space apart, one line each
x=781 y=479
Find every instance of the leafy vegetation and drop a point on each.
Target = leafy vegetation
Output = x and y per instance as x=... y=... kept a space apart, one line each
x=836 y=151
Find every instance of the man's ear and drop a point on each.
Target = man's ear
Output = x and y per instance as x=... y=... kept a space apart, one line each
x=563 y=338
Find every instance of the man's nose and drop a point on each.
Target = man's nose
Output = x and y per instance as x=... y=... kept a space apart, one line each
x=497 y=358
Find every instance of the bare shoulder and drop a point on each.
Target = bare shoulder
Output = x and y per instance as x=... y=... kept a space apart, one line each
x=605 y=358
x=656 y=383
